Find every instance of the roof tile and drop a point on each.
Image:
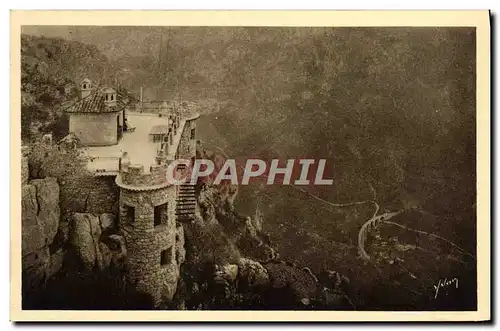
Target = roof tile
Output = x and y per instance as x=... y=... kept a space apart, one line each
x=94 y=103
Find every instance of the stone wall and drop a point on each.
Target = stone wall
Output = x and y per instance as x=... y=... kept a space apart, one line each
x=94 y=129
x=95 y=195
x=134 y=175
x=145 y=241
x=187 y=146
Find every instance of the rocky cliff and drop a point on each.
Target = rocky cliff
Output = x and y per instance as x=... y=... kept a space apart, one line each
x=77 y=260
x=231 y=264
x=59 y=244
x=40 y=224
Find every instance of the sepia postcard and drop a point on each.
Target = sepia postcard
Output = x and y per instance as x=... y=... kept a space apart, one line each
x=250 y=166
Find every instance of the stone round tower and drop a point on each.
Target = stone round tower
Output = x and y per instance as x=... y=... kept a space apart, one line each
x=147 y=222
x=151 y=212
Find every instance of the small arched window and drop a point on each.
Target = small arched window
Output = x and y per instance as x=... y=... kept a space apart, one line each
x=111 y=96
x=107 y=96
x=84 y=86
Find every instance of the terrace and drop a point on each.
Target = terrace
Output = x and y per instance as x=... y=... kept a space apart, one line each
x=104 y=160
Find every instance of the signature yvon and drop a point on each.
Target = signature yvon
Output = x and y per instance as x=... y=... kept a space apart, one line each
x=442 y=283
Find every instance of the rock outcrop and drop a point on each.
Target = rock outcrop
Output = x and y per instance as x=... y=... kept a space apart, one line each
x=107 y=221
x=85 y=232
x=40 y=222
x=251 y=274
x=217 y=210
x=180 y=250
x=94 y=242
x=255 y=277
x=47 y=195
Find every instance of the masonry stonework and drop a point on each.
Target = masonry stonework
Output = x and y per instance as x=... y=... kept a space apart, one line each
x=148 y=203
x=187 y=146
x=146 y=241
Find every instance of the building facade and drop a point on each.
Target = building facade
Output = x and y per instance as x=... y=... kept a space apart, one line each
x=98 y=118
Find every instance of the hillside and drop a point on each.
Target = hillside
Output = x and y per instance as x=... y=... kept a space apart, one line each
x=51 y=70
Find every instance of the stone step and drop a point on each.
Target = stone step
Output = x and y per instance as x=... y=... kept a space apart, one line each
x=186 y=206
x=185 y=212
x=186 y=198
x=186 y=190
x=188 y=195
x=186 y=203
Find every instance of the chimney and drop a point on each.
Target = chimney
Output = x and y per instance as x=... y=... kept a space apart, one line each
x=110 y=97
x=86 y=87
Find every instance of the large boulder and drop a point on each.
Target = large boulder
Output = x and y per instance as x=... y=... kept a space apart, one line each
x=107 y=221
x=252 y=273
x=298 y=286
x=170 y=281
x=33 y=237
x=29 y=205
x=227 y=272
x=85 y=232
x=47 y=194
x=180 y=250
x=40 y=222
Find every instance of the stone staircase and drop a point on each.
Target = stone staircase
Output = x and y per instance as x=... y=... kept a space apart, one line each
x=186 y=203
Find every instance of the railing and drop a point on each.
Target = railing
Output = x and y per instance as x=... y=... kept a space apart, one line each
x=154 y=107
x=184 y=108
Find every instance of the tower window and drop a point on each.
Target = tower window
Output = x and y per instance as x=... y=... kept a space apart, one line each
x=130 y=214
x=161 y=214
x=166 y=256
x=84 y=86
x=111 y=96
x=193 y=133
x=107 y=97
x=157 y=138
